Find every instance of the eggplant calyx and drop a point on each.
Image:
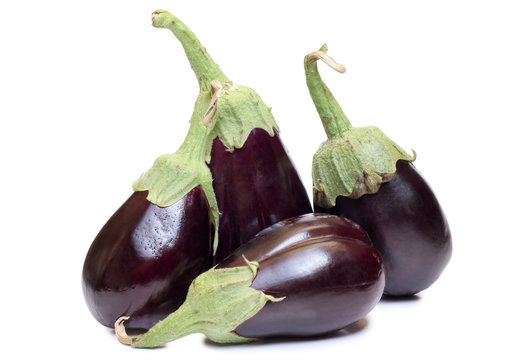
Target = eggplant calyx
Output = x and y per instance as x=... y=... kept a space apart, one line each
x=353 y=161
x=174 y=175
x=236 y=114
x=218 y=301
x=355 y=164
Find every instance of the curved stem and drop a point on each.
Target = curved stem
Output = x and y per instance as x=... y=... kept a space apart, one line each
x=202 y=64
x=333 y=118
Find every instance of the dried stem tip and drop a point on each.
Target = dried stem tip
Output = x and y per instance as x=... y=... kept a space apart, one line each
x=120 y=331
x=321 y=55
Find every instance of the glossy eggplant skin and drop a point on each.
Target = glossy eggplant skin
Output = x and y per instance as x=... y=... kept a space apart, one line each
x=255 y=187
x=143 y=260
x=324 y=266
x=408 y=227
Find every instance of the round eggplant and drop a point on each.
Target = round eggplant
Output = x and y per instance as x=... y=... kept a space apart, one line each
x=305 y=276
x=144 y=258
x=361 y=174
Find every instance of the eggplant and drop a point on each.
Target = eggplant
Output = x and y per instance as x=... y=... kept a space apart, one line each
x=306 y=276
x=145 y=257
x=363 y=175
x=255 y=181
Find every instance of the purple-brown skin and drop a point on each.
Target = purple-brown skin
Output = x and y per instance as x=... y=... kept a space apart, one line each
x=406 y=224
x=255 y=187
x=324 y=266
x=143 y=260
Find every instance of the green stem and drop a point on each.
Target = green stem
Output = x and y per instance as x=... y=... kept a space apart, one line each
x=177 y=325
x=202 y=64
x=333 y=118
x=194 y=145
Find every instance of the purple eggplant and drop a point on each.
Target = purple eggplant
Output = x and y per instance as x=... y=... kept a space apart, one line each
x=361 y=174
x=305 y=276
x=255 y=181
x=145 y=257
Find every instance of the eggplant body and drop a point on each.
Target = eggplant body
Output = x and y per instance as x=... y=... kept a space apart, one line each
x=407 y=226
x=255 y=187
x=324 y=266
x=144 y=258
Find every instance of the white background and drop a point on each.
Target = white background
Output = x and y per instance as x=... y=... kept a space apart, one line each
x=91 y=94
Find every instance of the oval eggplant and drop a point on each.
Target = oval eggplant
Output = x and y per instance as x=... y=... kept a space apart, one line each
x=318 y=263
x=145 y=257
x=407 y=226
x=362 y=174
x=143 y=260
x=255 y=187
x=306 y=276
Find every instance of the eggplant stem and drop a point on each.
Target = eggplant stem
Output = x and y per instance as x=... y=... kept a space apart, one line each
x=120 y=331
x=201 y=62
x=334 y=120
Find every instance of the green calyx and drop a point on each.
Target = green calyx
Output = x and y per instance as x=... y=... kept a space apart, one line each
x=218 y=301
x=238 y=112
x=172 y=176
x=353 y=161
x=354 y=164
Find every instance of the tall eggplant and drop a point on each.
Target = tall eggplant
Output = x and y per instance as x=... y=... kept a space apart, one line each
x=361 y=174
x=255 y=181
x=144 y=258
x=305 y=276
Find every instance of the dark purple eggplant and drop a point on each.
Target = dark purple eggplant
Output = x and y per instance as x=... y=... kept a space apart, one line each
x=361 y=174
x=255 y=181
x=306 y=276
x=145 y=257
